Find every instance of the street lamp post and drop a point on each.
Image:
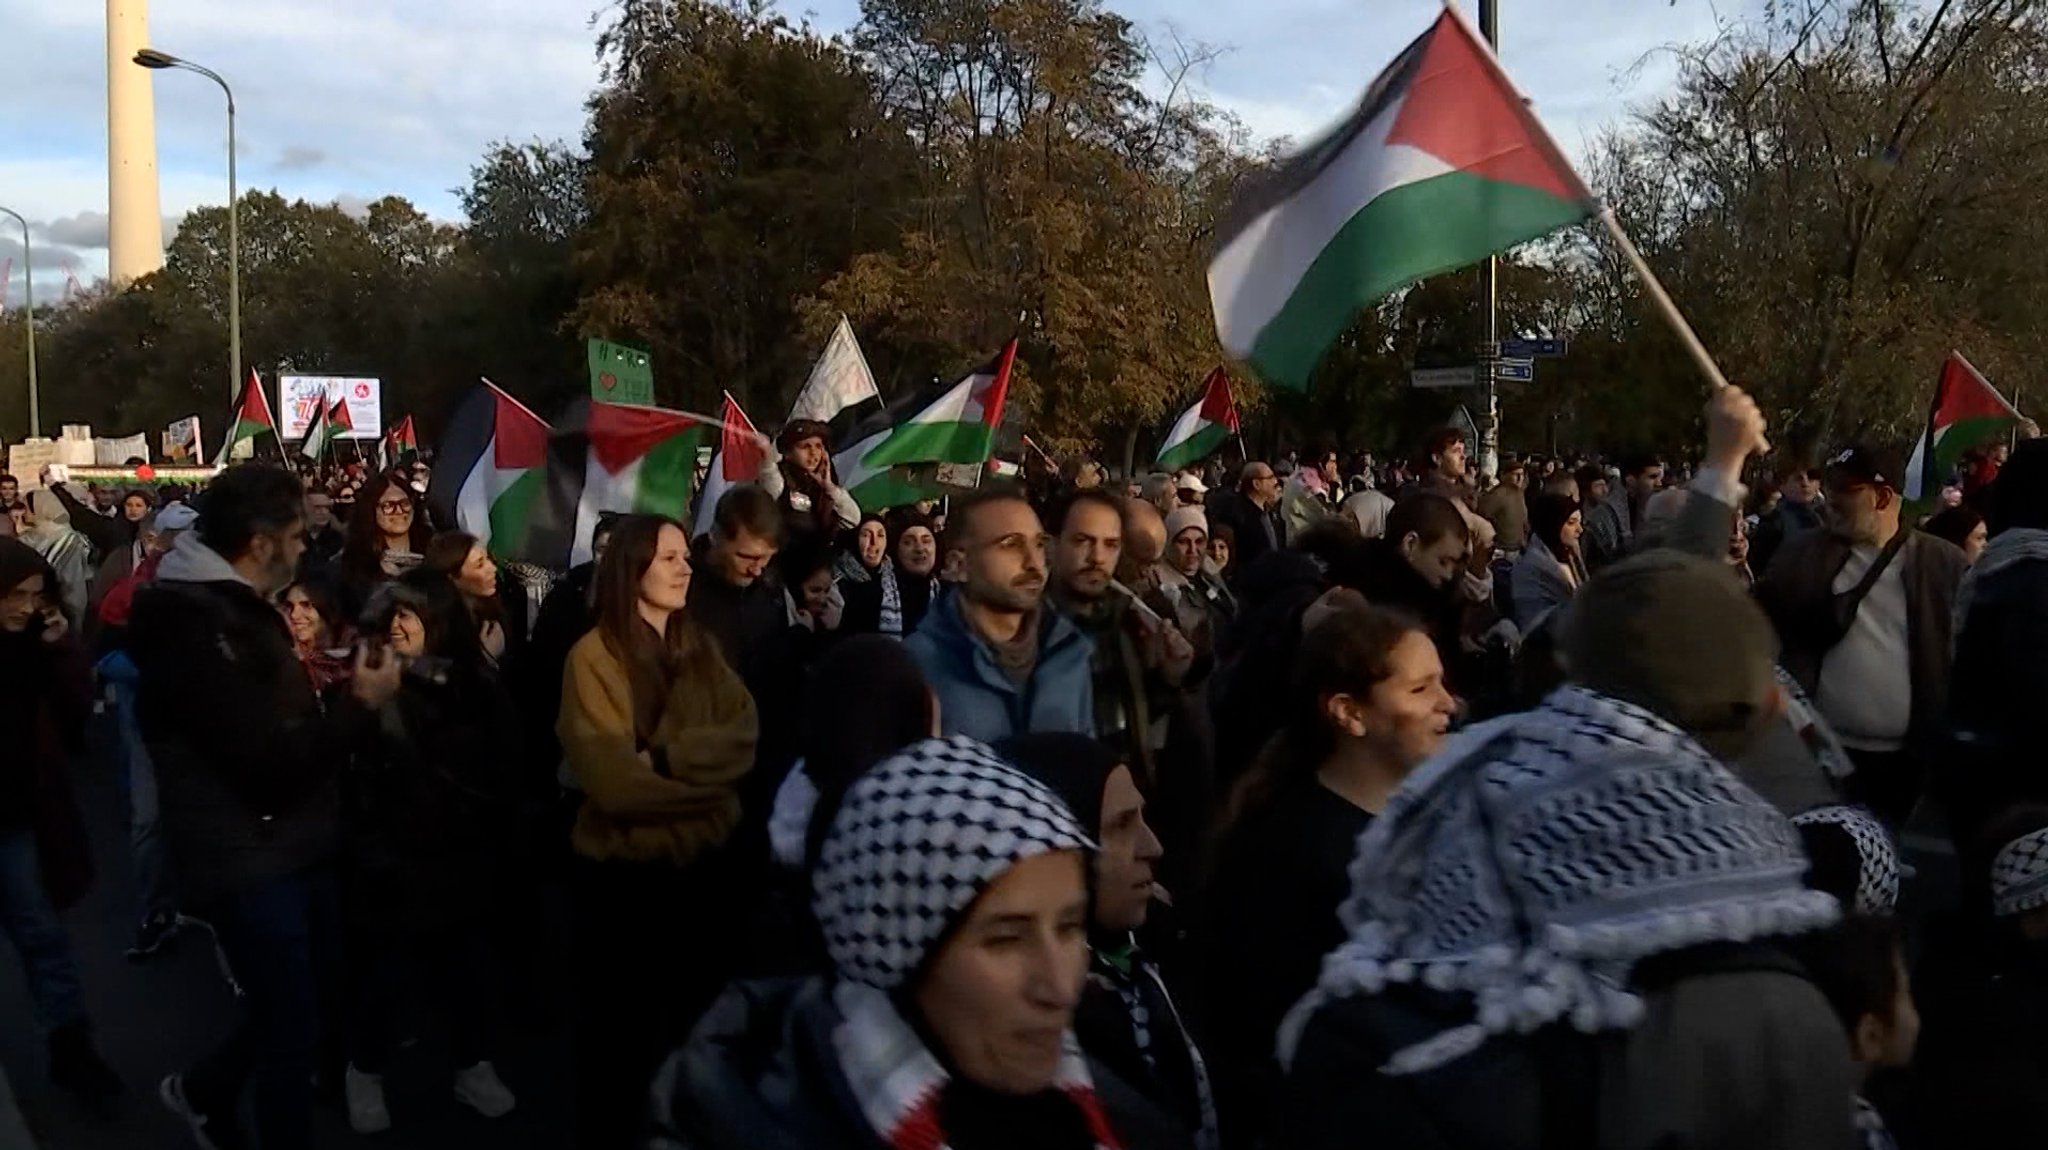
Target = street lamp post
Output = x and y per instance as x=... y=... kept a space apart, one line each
x=28 y=287
x=151 y=58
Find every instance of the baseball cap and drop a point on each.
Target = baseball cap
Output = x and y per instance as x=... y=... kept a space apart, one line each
x=1861 y=463
x=1191 y=483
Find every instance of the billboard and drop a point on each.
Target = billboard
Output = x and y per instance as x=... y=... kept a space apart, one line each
x=299 y=398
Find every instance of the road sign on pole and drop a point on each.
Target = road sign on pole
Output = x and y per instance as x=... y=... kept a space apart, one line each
x=1438 y=378
x=1515 y=370
x=1533 y=348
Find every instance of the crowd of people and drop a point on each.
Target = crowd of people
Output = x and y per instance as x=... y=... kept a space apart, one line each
x=1260 y=805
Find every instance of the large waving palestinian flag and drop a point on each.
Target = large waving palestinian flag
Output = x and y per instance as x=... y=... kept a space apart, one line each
x=613 y=457
x=1967 y=412
x=488 y=475
x=1441 y=165
x=1202 y=429
x=953 y=425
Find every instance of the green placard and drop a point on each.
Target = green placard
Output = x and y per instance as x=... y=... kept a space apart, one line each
x=619 y=373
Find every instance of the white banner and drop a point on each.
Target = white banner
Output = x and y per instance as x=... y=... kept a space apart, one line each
x=109 y=452
x=300 y=396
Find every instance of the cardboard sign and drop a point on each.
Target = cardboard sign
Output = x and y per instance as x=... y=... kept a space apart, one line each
x=620 y=374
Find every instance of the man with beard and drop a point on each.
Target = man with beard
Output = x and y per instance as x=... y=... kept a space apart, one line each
x=1139 y=661
x=247 y=761
x=1612 y=523
x=894 y=602
x=803 y=484
x=998 y=661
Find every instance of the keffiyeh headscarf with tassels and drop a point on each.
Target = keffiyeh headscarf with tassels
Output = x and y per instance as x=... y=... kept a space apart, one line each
x=1539 y=857
x=915 y=842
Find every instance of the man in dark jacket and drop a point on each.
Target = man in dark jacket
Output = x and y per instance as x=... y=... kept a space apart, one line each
x=246 y=763
x=731 y=595
x=1252 y=512
x=1612 y=523
x=1798 y=511
x=1865 y=610
x=999 y=660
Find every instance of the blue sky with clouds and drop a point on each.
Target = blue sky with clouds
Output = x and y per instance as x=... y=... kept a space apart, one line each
x=352 y=99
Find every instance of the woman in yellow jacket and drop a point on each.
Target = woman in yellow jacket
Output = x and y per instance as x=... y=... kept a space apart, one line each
x=658 y=732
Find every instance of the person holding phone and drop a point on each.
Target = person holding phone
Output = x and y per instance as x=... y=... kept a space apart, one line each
x=45 y=861
x=247 y=765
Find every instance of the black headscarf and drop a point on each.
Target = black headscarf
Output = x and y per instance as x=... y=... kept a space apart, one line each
x=2019 y=496
x=1076 y=768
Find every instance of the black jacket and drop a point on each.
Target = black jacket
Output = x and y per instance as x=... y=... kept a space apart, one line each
x=1129 y=1023
x=1997 y=702
x=566 y=615
x=1798 y=595
x=759 y=1071
x=744 y=620
x=1248 y=692
x=246 y=758
x=1249 y=524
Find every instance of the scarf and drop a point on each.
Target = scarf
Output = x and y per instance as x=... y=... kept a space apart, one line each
x=1118 y=967
x=1539 y=857
x=892 y=600
x=2010 y=547
x=1018 y=656
x=912 y=1102
x=2019 y=875
x=1877 y=860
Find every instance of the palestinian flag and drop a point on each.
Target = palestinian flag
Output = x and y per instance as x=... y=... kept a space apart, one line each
x=488 y=476
x=1967 y=412
x=613 y=457
x=881 y=488
x=399 y=442
x=959 y=426
x=252 y=417
x=1441 y=165
x=319 y=434
x=1202 y=429
x=739 y=459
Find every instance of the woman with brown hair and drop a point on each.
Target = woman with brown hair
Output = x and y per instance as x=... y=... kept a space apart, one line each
x=658 y=732
x=1367 y=706
x=463 y=560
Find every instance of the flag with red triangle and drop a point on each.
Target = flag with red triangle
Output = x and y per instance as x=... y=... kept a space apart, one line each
x=398 y=443
x=740 y=457
x=489 y=475
x=1967 y=412
x=331 y=424
x=1202 y=429
x=1441 y=165
x=252 y=417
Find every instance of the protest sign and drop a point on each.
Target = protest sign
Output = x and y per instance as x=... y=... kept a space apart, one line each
x=620 y=374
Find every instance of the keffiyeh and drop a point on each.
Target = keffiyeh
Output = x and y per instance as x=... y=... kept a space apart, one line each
x=1877 y=869
x=2019 y=875
x=914 y=843
x=1537 y=858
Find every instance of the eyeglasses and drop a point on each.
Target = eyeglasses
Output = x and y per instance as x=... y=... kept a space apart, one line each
x=393 y=507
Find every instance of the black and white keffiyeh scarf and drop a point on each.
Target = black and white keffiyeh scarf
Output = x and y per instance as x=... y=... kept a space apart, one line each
x=1877 y=858
x=2019 y=875
x=892 y=600
x=913 y=844
x=2010 y=547
x=902 y=1087
x=1538 y=857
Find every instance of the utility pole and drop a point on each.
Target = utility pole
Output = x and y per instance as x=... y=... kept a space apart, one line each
x=1489 y=419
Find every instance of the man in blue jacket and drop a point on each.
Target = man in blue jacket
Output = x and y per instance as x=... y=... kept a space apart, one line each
x=1000 y=661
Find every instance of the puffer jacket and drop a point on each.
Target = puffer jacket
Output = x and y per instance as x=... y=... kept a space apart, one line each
x=977 y=700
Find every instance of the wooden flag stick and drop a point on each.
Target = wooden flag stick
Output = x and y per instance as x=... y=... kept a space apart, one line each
x=1701 y=357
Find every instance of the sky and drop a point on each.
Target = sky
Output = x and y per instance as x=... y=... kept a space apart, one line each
x=349 y=100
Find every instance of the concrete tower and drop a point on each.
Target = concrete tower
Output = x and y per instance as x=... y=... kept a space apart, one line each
x=135 y=221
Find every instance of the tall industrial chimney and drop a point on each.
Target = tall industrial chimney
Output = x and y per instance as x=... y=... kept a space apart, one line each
x=135 y=222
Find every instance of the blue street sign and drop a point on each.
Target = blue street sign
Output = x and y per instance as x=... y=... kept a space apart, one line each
x=1514 y=371
x=1533 y=348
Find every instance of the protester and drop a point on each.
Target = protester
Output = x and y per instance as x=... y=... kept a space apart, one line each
x=565 y=617
x=1551 y=570
x=802 y=484
x=1223 y=551
x=732 y=599
x=1798 y=511
x=998 y=659
x=1506 y=506
x=1593 y=486
x=45 y=860
x=387 y=537
x=68 y=553
x=1369 y=509
x=1252 y=512
x=1612 y=523
x=1127 y=1019
x=1492 y=939
x=1860 y=964
x=958 y=938
x=321 y=635
x=895 y=602
x=860 y=558
x=658 y=732
x=250 y=820
x=433 y=816
x=462 y=560
x=1366 y=704
x=324 y=540
x=1202 y=603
